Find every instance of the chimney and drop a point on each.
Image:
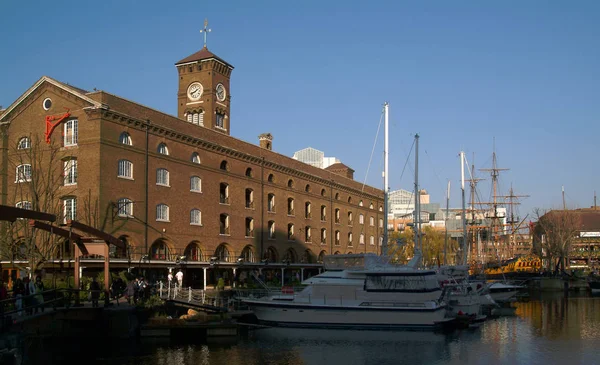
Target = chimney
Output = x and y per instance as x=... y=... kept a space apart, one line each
x=266 y=141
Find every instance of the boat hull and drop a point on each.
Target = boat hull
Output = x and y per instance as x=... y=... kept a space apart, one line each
x=326 y=316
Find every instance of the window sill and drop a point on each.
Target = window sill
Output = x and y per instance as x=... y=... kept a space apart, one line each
x=249 y=208
x=224 y=203
x=224 y=234
x=248 y=236
x=291 y=215
x=271 y=211
x=125 y=216
x=71 y=184
x=163 y=220
x=165 y=185
x=22 y=181
x=221 y=128
x=196 y=224
x=125 y=177
x=196 y=191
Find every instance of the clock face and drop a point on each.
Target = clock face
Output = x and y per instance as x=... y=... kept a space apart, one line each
x=195 y=91
x=221 y=92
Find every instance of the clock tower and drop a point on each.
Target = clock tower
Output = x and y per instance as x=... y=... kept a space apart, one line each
x=203 y=97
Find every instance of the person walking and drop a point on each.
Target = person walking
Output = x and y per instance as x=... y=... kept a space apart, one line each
x=38 y=288
x=18 y=291
x=179 y=276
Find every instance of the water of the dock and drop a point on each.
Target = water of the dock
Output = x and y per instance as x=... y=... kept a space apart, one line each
x=548 y=329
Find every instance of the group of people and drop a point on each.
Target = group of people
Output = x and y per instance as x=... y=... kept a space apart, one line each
x=178 y=276
x=28 y=294
x=136 y=290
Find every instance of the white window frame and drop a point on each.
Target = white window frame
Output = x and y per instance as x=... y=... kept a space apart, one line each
x=372 y=221
x=125 y=207
x=196 y=184
x=162 y=149
x=24 y=143
x=70 y=172
x=162 y=177
x=69 y=209
x=125 y=139
x=70 y=138
x=24 y=205
x=196 y=158
x=162 y=212
x=361 y=239
x=361 y=219
x=125 y=169
x=23 y=173
x=372 y=240
x=196 y=217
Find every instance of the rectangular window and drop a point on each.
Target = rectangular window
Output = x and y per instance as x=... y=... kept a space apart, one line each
x=125 y=169
x=24 y=205
x=23 y=173
x=69 y=209
x=125 y=207
x=162 y=212
x=162 y=177
x=70 y=172
x=220 y=121
x=70 y=133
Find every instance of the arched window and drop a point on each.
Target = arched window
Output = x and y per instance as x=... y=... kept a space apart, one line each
x=24 y=143
x=222 y=253
x=350 y=239
x=195 y=158
x=291 y=236
x=349 y=199
x=192 y=252
x=307 y=212
x=361 y=219
x=323 y=192
x=159 y=250
x=337 y=215
x=125 y=207
x=361 y=239
x=125 y=138
x=196 y=217
x=371 y=206
x=290 y=206
x=337 y=238
x=162 y=212
x=323 y=235
x=196 y=184
x=125 y=169
x=307 y=188
x=337 y=196
x=349 y=218
x=360 y=203
x=24 y=205
x=372 y=240
x=271 y=178
x=162 y=149
x=323 y=213
x=290 y=183
x=224 y=166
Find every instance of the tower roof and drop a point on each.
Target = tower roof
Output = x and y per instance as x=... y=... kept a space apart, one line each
x=203 y=54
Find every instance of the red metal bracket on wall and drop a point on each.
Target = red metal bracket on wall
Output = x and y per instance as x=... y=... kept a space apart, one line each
x=50 y=126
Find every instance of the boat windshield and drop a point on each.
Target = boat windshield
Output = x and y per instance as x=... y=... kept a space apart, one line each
x=405 y=283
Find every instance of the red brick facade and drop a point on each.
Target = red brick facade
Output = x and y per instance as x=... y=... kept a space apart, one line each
x=228 y=168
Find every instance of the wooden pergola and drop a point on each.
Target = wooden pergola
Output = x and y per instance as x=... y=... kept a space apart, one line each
x=96 y=242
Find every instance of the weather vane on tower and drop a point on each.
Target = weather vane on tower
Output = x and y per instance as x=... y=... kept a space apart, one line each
x=205 y=30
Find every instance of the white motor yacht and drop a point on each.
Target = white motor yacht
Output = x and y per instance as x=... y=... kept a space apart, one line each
x=358 y=291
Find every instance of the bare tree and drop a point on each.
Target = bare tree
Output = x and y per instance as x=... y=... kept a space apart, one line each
x=38 y=185
x=555 y=231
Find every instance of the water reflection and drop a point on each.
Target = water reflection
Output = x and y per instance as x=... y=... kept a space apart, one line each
x=548 y=329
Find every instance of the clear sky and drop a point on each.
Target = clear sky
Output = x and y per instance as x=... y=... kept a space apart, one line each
x=316 y=73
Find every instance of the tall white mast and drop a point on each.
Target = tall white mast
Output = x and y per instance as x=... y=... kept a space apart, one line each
x=385 y=180
x=464 y=217
x=446 y=223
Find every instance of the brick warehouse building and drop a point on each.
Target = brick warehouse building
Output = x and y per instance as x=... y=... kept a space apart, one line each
x=181 y=190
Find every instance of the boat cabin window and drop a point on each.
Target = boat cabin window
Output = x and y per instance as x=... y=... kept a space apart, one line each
x=402 y=282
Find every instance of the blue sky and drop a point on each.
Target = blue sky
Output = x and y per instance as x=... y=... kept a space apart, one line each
x=316 y=73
